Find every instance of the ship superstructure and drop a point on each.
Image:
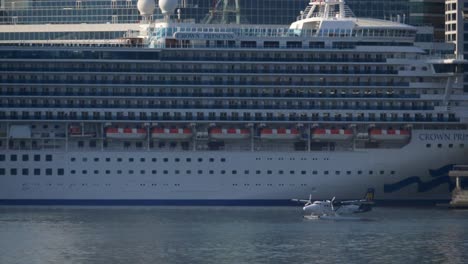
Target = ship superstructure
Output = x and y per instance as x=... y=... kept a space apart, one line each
x=174 y=112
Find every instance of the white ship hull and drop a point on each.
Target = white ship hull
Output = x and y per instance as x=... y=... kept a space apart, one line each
x=191 y=177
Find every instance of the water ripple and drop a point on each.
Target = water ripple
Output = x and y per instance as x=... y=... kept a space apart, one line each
x=228 y=235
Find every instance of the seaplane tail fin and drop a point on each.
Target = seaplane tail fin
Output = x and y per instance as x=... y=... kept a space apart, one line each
x=369 y=197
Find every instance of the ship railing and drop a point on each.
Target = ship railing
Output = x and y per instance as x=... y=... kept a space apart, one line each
x=257 y=71
x=194 y=83
x=291 y=95
x=280 y=32
x=221 y=107
x=286 y=118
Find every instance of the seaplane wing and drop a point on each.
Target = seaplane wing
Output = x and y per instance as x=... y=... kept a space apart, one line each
x=299 y=201
x=303 y=201
x=356 y=202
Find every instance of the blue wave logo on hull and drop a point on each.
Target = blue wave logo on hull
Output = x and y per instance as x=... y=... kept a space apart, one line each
x=440 y=175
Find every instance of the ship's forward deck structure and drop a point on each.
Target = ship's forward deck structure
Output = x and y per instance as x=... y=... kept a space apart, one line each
x=172 y=112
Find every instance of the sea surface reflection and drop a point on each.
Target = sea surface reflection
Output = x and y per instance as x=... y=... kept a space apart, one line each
x=228 y=235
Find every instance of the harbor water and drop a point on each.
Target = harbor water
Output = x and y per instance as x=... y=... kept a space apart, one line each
x=109 y=235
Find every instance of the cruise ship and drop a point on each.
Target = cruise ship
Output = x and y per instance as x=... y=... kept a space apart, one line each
x=171 y=112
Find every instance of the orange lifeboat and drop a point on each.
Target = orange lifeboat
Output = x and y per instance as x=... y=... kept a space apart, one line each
x=279 y=134
x=229 y=134
x=389 y=134
x=320 y=134
x=75 y=131
x=125 y=133
x=171 y=133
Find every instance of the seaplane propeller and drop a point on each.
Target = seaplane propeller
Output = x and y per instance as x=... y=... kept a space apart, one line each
x=331 y=204
x=309 y=202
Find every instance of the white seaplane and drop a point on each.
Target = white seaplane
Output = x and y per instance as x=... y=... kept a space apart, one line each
x=337 y=210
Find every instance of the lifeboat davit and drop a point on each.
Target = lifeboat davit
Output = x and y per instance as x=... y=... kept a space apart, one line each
x=125 y=133
x=280 y=134
x=389 y=134
x=331 y=134
x=229 y=133
x=171 y=133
